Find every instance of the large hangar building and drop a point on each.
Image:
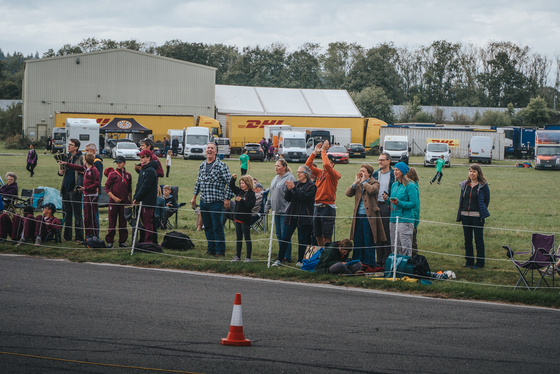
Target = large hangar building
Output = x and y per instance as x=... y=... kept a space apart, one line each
x=118 y=81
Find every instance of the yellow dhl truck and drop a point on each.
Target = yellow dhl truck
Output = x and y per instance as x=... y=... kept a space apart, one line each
x=242 y=129
x=158 y=123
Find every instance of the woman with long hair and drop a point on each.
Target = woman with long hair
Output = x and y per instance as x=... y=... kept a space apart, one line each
x=473 y=209
x=413 y=176
x=244 y=202
x=403 y=202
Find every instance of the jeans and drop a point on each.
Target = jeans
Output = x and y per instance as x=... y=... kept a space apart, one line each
x=440 y=174
x=280 y=228
x=211 y=214
x=304 y=239
x=476 y=225
x=72 y=208
x=364 y=246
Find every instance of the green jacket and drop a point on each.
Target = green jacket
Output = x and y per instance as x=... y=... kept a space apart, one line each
x=330 y=256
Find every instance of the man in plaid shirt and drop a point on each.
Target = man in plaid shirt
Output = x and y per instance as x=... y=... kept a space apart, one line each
x=213 y=185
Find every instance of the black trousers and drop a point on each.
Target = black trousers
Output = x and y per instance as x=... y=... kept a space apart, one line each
x=72 y=207
x=30 y=166
x=243 y=230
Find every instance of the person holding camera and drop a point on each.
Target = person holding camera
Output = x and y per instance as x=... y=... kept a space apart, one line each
x=71 y=196
x=403 y=202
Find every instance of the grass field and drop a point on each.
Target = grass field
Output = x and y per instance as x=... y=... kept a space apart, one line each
x=523 y=201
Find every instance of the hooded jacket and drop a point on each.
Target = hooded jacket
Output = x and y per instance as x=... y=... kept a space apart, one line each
x=146 y=188
x=276 y=199
x=483 y=199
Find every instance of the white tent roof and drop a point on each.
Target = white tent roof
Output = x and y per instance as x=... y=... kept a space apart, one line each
x=284 y=101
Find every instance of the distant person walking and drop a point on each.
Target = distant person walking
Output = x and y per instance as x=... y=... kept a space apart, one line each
x=473 y=209
x=440 y=165
x=31 y=159
x=244 y=162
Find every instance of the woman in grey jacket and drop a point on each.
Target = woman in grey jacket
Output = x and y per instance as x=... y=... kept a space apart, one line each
x=278 y=203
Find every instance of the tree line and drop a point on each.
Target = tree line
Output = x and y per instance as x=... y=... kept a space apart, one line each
x=441 y=74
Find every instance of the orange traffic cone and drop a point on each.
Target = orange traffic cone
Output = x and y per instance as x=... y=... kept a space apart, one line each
x=236 y=336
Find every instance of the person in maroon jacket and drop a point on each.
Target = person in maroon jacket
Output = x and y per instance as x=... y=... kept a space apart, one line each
x=119 y=189
x=45 y=224
x=149 y=145
x=89 y=189
x=14 y=226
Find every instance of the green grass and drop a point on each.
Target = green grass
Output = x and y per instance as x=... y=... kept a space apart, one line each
x=523 y=201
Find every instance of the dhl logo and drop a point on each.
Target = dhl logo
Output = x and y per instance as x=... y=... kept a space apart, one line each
x=103 y=121
x=450 y=142
x=257 y=124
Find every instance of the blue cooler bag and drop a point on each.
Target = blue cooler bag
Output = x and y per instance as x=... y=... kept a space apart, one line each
x=404 y=266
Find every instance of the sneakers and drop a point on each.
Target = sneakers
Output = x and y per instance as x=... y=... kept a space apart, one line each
x=236 y=259
x=109 y=245
x=299 y=264
x=21 y=241
x=248 y=260
x=122 y=245
x=277 y=263
x=37 y=242
x=431 y=182
x=438 y=182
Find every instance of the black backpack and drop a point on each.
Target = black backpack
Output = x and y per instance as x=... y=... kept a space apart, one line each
x=421 y=267
x=178 y=241
x=148 y=248
x=93 y=242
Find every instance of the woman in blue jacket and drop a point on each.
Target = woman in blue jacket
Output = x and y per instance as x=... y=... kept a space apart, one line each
x=473 y=209
x=403 y=202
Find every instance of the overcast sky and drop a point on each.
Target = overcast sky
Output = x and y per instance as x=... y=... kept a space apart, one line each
x=28 y=26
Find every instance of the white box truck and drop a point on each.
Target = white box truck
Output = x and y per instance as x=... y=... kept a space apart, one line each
x=171 y=134
x=291 y=144
x=86 y=130
x=397 y=147
x=196 y=139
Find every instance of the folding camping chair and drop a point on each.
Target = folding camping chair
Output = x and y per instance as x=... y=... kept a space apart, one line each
x=259 y=222
x=541 y=259
x=175 y=194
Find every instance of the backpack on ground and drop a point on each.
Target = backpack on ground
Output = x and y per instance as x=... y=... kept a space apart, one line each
x=403 y=264
x=148 y=248
x=93 y=242
x=310 y=263
x=177 y=240
x=421 y=266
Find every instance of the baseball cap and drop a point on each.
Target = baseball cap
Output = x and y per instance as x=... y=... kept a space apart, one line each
x=146 y=152
x=259 y=185
x=121 y=159
x=51 y=206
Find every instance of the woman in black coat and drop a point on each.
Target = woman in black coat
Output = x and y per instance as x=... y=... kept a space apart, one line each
x=244 y=203
x=301 y=196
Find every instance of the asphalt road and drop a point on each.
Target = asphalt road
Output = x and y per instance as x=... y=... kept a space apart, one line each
x=174 y=320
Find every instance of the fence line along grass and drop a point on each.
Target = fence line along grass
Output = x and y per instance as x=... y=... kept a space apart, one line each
x=522 y=202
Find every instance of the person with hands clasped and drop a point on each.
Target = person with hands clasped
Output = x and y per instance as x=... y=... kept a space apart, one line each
x=367 y=228
x=244 y=203
x=403 y=202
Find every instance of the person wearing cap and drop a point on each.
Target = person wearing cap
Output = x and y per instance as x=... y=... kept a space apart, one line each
x=212 y=183
x=403 y=202
x=146 y=193
x=327 y=183
x=119 y=189
x=149 y=144
x=71 y=196
x=45 y=224
x=258 y=190
x=90 y=191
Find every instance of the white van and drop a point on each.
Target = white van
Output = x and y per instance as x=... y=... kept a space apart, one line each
x=434 y=151
x=291 y=144
x=224 y=147
x=480 y=149
x=196 y=139
x=86 y=130
x=397 y=147
x=59 y=140
x=171 y=134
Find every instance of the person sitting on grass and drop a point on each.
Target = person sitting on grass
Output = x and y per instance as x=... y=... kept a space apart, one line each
x=334 y=258
x=14 y=226
x=46 y=224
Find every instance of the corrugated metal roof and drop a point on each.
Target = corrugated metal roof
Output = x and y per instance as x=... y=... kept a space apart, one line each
x=4 y=104
x=449 y=110
x=284 y=101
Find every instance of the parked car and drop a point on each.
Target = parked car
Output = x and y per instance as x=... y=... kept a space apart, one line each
x=126 y=149
x=254 y=151
x=112 y=143
x=339 y=153
x=356 y=150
